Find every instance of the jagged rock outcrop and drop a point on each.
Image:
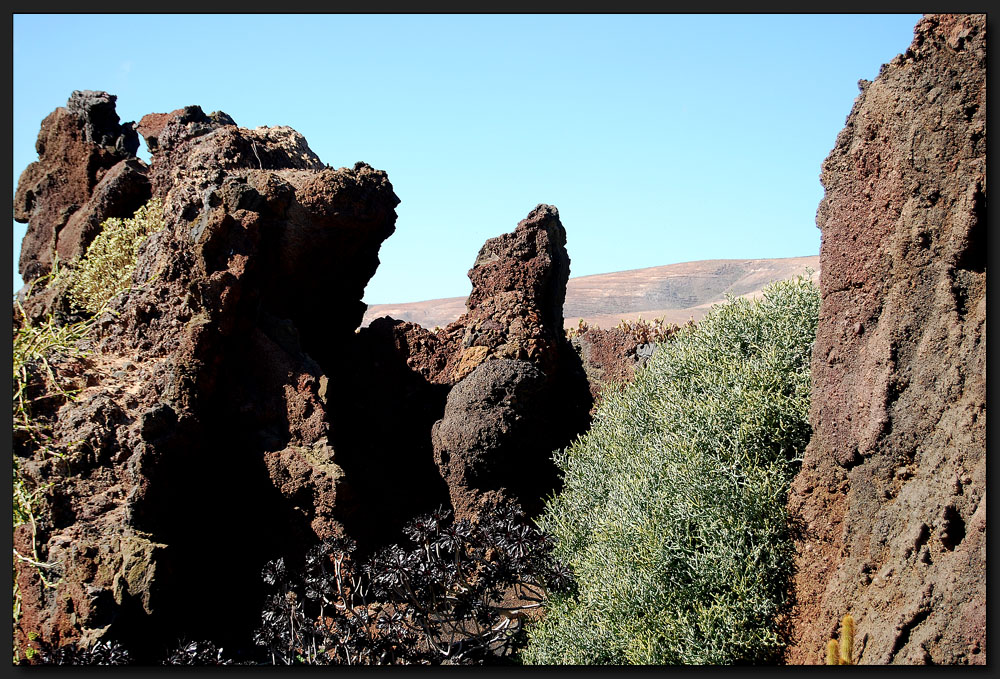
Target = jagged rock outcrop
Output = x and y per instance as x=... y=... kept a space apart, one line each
x=202 y=445
x=229 y=413
x=520 y=391
x=86 y=172
x=891 y=498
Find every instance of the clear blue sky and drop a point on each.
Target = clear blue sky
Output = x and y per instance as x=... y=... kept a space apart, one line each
x=660 y=138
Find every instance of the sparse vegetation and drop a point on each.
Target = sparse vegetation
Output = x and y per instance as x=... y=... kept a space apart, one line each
x=642 y=331
x=106 y=268
x=672 y=517
x=36 y=386
x=457 y=595
x=42 y=350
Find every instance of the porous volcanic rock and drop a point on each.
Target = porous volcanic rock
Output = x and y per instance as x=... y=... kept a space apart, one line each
x=63 y=195
x=230 y=411
x=201 y=444
x=515 y=309
x=891 y=498
x=493 y=428
x=515 y=317
x=86 y=172
x=609 y=357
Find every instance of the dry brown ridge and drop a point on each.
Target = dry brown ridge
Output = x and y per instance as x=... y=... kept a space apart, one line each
x=676 y=292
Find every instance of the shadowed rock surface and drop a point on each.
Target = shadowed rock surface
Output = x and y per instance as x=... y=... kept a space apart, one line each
x=891 y=498
x=230 y=414
x=203 y=436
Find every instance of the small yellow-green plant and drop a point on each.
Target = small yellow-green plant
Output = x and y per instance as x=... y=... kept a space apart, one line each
x=840 y=654
x=106 y=269
x=581 y=327
x=34 y=382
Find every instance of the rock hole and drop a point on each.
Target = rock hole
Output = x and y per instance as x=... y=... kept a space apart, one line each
x=952 y=528
x=973 y=257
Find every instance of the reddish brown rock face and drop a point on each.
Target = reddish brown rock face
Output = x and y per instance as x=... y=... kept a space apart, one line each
x=520 y=390
x=609 y=357
x=229 y=412
x=891 y=499
x=203 y=434
x=86 y=172
x=518 y=289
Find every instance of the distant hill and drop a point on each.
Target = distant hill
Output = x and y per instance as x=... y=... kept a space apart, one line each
x=678 y=292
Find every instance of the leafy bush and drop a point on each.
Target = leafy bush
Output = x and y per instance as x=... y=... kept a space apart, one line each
x=106 y=268
x=672 y=517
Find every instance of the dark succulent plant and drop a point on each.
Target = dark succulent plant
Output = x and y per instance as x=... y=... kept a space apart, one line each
x=455 y=595
x=196 y=653
x=101 y=653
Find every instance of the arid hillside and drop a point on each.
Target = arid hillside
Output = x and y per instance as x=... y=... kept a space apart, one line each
x=678 y=292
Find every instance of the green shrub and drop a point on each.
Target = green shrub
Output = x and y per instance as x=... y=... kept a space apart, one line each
x=106 y=269
x=672 y=517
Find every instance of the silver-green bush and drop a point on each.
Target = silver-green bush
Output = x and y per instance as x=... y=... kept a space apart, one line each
x=106 y=268
x=672 y=517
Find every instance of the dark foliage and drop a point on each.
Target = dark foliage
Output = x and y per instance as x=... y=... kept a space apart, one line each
x=197 y=653
x=456 y=595
x=101 y=653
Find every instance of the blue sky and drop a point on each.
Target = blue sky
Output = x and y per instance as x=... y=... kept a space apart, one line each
x=660 y=138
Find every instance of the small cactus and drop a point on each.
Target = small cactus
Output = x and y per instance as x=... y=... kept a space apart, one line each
x=832 y=652
x=841 y=654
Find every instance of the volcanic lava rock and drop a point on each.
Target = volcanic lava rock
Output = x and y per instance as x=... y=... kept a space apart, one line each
x=86 y=172
x=201 y=448
x=609 y=356
x=499 y=429
x=518 y=290
x=231 y=413
x=891 y=498
x=77 y=145
x=494 y=425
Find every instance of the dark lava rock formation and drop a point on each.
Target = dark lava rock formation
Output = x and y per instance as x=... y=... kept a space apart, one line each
x=521 y=390
x=230 y=413
x=891 y=498
x=86 y=171
x=505 y=385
